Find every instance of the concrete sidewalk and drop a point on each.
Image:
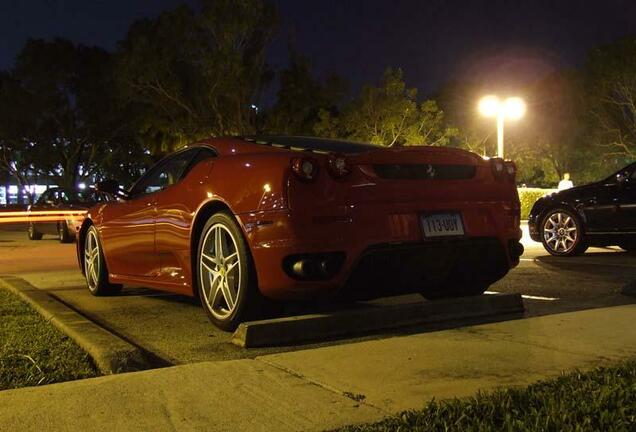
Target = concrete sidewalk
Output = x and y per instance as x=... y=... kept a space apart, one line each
x=329 y=387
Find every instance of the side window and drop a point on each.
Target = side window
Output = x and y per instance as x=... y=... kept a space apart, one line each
x=203 y=155
x=63 y=197
x=165 y=174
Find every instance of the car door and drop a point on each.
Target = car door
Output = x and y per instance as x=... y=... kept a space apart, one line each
x=601 y=207
x=627 y=202
x=176 y=207
x=41 y=204
x=50 y=203
x=128 y=230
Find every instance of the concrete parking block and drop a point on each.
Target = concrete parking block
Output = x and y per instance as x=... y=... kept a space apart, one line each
x=372 y=317
x=110 y=353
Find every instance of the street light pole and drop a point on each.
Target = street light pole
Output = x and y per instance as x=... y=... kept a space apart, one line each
x=500 y=136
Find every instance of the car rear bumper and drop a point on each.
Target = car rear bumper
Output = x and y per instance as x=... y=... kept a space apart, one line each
x=380 y=245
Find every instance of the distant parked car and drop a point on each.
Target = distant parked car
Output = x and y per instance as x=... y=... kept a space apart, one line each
x=61 y=199
x=237 y=220
x=597 y=214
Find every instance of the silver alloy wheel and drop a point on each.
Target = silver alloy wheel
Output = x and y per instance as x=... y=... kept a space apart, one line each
x=91 y=260
x=220 y=271
x=560 y=232
x=31 y=230
x=60 y=231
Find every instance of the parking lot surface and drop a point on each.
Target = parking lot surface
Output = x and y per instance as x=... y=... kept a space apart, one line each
x=175 y=328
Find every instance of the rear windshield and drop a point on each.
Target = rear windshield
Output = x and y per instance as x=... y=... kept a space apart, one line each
x=314 y=144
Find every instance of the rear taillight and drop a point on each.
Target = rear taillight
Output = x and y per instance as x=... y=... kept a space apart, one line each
x=305 y=168
x=503 y=170
x=511 y=170
x=338 y=166
x=498 y=167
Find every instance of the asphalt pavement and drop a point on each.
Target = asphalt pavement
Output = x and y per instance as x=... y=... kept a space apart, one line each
x=175 y=329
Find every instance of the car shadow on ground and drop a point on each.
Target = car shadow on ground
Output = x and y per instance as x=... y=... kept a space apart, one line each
x=591 y=263
x=160 y=295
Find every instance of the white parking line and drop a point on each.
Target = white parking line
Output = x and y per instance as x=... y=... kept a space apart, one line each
x=526 y=259
x=529 y=297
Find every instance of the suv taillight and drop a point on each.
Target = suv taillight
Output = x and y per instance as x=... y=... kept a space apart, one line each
x=305 y=168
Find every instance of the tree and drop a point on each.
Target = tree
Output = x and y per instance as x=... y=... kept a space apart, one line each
x=59 y=117
x=188 y=75
x=611 y=83
x=302 y=97
x=389 y=115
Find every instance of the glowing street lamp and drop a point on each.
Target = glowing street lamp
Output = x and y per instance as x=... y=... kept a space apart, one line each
x=513 y=108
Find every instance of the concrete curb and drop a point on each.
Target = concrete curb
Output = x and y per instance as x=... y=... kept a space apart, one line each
x=287 y=330
x=110 y=353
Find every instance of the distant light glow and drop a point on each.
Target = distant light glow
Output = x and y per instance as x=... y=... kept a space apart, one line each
x=81 y=186
x=267 y=188
x=514 y=108
x=489 y=106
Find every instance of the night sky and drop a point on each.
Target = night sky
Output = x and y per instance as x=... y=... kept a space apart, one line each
x=495 y=43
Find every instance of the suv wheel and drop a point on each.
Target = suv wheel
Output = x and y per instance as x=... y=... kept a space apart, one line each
x=562 y=233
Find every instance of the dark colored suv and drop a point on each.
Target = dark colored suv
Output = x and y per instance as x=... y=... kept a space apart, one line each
x=597 y=214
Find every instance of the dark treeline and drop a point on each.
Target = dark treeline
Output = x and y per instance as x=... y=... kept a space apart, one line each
x=74 y=113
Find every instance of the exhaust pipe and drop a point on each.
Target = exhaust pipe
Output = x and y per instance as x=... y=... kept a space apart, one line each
x=308 y=268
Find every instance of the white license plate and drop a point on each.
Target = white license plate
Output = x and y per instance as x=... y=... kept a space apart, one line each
x=442 y=225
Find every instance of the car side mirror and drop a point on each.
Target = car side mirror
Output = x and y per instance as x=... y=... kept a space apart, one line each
x=621 y=179
x=110 y=187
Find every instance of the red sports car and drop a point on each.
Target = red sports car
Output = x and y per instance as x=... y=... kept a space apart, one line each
x=238 y=221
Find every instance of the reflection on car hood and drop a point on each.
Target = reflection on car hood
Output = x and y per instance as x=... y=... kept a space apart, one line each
x=575 y=191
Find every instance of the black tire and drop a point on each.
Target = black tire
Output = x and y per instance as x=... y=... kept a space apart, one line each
x=63 y=233
x=568 y=220
x=247 y=301
x=34 y=234
x=96 y=274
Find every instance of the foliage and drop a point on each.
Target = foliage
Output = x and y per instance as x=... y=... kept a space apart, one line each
x=528 y=196
x=601 y=400
x=302 y=98
x=610 y=79
x=389 y=115
x=190 y=75
x=58 y=117
x=33 y=352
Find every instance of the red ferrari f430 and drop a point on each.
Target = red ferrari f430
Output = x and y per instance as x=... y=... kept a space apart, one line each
x=241 y=221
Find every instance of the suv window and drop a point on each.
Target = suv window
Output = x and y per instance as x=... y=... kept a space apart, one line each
x=165 y=173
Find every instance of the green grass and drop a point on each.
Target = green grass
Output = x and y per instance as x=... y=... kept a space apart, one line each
x=601 y=400
x=33 y=352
